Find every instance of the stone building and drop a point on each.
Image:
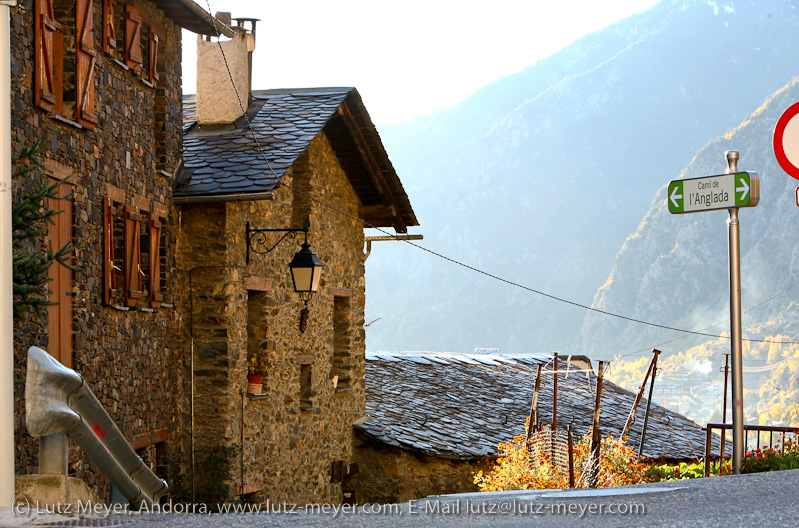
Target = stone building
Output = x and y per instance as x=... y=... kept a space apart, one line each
x=99 y=82
x=285 y=159
x=431 y=417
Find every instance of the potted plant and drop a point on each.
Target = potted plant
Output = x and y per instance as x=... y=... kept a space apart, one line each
x=256 y=366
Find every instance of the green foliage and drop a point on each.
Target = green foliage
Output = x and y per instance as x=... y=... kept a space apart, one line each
x=682 y=471
x=29 y=219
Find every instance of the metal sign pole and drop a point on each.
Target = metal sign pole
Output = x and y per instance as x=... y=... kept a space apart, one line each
x=733 y=229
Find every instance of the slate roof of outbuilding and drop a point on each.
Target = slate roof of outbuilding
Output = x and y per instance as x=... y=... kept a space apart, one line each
x=463 y=405
x=253 y=156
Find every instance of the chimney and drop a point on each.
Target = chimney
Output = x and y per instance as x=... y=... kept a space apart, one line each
x=217 y=102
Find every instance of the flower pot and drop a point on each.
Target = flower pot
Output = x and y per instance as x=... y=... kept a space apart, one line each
x=255 y=384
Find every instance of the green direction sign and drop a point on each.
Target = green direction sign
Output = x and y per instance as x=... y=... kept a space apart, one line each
x=710 y=193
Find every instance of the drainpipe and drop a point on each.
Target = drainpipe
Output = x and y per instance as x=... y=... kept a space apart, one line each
x=7 y=456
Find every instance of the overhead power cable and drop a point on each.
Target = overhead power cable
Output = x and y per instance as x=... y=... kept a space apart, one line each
x=444 y=257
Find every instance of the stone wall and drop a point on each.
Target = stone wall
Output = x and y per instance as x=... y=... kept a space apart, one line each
x=128 y=356
x=290 y=436
x=387 y=474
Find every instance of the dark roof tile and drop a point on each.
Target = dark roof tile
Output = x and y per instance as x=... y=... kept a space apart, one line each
x=461 y=406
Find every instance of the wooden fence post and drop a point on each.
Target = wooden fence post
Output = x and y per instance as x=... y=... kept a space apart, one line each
x=631 y=417
x=596 y=436
x=571 y=457
x=533 y=422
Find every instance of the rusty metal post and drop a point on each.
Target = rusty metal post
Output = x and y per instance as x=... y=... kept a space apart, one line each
x=571 y=457
x=534 y=407
x=555 y=397
x=631 y=417
x=736 y=342
x=596 y=436
x=646 y=415
x=708 y=443
x=724 y=404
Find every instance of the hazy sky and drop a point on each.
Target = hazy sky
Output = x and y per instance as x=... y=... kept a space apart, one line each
x=406 y=58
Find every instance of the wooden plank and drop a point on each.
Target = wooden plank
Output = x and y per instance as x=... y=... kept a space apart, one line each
x=248 y=489
x=115 y=194
x=141 y=441
x=161 y=435
x=257 y=283
x=140 y=202
x=372 y=166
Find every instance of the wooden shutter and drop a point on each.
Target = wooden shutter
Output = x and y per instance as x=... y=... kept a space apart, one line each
x=133 y=21
x=153 y=57
x=49 y=63
x=109 y=29
x=86 y=60
x=155 y=263
x=109 y=275
x=133 y=272
x=59 y=320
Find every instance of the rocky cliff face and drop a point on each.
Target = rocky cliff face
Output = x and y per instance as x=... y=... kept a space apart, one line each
x=674 y=269
x=540 y=177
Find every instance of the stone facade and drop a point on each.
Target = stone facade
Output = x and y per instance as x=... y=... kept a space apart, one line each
x=389 y=474
x=288 y=437
x=128 y=354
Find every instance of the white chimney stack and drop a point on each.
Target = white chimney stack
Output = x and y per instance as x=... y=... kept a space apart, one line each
x=217 y=99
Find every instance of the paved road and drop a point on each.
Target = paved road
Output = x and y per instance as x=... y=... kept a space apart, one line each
x=763 y=499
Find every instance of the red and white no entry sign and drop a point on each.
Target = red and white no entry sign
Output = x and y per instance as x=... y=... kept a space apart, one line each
x=786 y=141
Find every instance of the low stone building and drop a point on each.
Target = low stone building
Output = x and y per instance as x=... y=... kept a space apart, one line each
x=99 y=83
x=292 y=160
x=431 y=417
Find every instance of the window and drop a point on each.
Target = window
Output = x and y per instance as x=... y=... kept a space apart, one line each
x=306 y=392
x=342 y=342
x=66 y=93
x=134 y=255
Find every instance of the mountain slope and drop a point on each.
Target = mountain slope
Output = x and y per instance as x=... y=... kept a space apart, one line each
x=539 y=178
x=674 y=268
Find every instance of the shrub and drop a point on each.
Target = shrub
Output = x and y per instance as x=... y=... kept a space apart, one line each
x=769 y=459
x=519 y=467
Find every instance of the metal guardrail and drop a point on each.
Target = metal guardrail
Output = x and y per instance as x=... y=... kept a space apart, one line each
x=58 y=400
x=770 y=429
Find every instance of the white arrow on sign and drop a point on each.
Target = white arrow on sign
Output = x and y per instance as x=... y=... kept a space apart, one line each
x=674 y=197
x=744 y=189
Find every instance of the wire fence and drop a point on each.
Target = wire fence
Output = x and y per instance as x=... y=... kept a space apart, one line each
x=586 y=462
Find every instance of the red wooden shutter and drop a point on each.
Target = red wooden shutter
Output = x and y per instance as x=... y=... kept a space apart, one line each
x=59 y=320
x=153 y=57
x=133 y=56
x=155 y=263
x=109 y=275
x=109 y=29
x=49 y=64
x=133 y=272
x=86 y=59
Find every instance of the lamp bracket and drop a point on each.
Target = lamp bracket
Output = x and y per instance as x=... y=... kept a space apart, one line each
x=256 y=238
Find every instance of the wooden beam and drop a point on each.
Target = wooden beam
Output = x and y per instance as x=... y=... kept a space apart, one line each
x=372 y=166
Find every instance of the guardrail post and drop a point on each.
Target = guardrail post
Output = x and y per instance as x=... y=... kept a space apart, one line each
x=53 y=454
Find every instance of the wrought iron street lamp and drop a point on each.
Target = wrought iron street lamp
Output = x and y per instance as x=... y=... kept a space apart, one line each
x=306 y=268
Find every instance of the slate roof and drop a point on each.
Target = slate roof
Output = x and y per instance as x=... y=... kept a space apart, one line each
x=462 y=405
x=187 y=14
x=222 y=160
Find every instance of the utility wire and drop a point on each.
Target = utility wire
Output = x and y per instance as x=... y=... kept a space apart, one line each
x=444 y=257
x=758 y=305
